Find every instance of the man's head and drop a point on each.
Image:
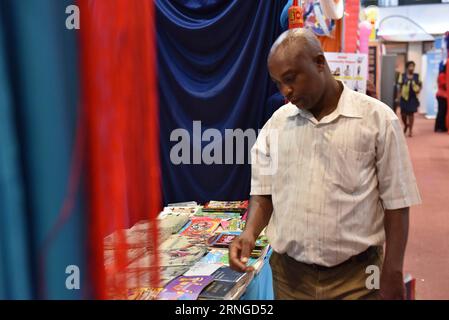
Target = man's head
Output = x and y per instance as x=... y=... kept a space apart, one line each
x=298 y=67
x=410 y=66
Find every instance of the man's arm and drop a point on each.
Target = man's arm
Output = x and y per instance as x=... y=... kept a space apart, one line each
x=396 y=224
x=259 y=214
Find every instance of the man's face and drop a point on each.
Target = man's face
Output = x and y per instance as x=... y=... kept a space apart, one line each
x=299 y=78
x=411 y=68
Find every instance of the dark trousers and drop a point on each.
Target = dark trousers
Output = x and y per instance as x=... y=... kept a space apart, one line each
x=440 y=122
x=294 y=280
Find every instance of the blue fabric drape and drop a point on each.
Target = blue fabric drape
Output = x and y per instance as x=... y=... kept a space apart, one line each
x=38 y=103
x=212 y=68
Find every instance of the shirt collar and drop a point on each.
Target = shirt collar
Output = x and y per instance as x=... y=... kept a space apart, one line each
x=345 y=107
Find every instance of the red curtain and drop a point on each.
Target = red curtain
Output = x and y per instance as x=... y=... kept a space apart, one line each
x=118 y=59
x=352 y=9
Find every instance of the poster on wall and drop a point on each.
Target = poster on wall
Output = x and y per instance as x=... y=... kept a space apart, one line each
x=428 y=97
x=350 y=68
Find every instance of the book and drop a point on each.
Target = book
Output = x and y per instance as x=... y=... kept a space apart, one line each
x=173 y=223
x=218 y=290
x=230 y=206
x=179 y=257
x=202 y=227
x=185 y=210
x=218 y=214
x=143 y=293
x=226 y=290
x=148 y=293
x=261 y=242
x=185 y=288
x=245 y=216
x=183 y=204
x=227 y=274
x=169 y=273
x=223 y=239
x=202 y=269
x=129 y=255
x=217 y=256
x=127 y=238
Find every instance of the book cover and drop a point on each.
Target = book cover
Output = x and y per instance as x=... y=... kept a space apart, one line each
x=173 y=223
x=227 y=274
x=126 y=237
x=218 y=214
x=178 y=257
x=202 y=269
x=218 y=290
x=179 y=242
x=184 y=210
x=185 y=288
x=183 y=204
x=231 y=206
x=217 y=256
x=201 y=227
x=129 y=254
x=223 y=239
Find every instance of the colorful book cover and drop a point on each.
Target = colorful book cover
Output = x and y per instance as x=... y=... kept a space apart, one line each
x=235 y=225
x=218 y=214
x=200 y=227
x=261 y=242
x=225 y=224
x=231 y=206
x=223 y=239
x=245 y=216
x=187 y=210
x=149 y=293
x=183 y=204
x=217 y=256
x=185 y=288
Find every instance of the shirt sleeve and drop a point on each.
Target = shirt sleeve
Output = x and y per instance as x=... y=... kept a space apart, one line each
x=397 y=182
x=261 y=163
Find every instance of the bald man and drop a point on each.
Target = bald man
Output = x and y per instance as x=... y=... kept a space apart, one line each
x=332 y=182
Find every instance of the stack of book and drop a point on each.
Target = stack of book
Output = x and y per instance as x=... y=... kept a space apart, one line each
x=185 y=288
x=226 y=206
x=193 y=255
x=227 y=285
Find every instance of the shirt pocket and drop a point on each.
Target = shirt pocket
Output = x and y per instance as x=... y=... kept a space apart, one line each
x=349 y=168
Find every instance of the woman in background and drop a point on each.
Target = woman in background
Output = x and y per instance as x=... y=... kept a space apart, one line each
x=440 y=122
x=409 y=88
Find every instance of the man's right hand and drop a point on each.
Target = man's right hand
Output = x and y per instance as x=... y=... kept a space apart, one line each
x=240 y=251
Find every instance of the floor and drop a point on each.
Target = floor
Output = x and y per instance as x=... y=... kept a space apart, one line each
x=427 y=256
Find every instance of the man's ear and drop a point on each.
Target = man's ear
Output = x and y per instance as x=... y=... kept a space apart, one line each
x=320 y=62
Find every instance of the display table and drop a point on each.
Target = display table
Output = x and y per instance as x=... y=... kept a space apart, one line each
x=261 y=287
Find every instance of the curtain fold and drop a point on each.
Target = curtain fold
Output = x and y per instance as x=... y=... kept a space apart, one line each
x=212 y=68
x=41 y=209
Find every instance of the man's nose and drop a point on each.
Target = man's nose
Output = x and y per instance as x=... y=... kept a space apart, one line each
x=286 y=91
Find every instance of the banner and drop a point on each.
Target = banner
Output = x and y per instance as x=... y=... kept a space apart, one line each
x=350 y=68
x=430 y=86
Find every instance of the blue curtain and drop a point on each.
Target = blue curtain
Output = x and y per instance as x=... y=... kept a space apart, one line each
x=38 y=112
x=212 y=68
